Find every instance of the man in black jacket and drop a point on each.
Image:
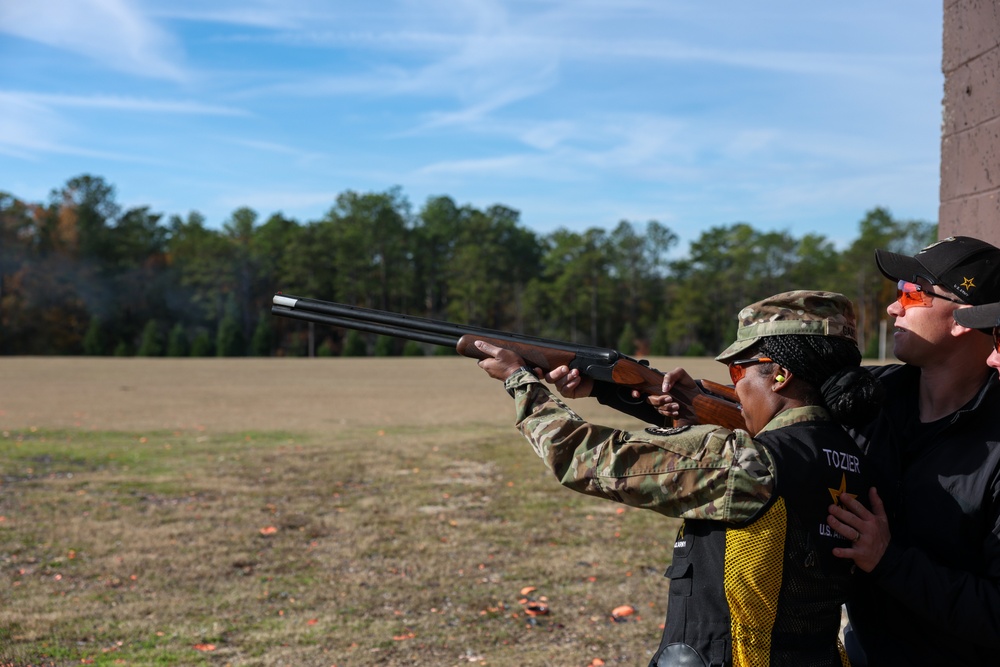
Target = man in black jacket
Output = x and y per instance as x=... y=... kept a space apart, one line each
x=931 y=543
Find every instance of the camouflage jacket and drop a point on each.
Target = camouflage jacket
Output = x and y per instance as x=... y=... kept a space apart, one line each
x=697 y=472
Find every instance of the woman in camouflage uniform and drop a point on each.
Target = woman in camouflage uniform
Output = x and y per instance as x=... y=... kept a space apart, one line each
x=753 y=579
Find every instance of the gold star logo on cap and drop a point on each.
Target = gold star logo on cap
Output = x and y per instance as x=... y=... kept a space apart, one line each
x=967 y=283
x=837 y=494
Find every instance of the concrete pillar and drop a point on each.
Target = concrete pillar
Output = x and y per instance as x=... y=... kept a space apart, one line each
x=970 y=128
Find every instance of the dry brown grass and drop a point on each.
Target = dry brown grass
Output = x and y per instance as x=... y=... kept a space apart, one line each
x=320 y=396
x=303 y=512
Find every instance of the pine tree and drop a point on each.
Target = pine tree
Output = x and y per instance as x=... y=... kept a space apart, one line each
x=94 y=343
x=413 y=349
x=384 y=346
x=177 y=342
x=263 y=337
x=626 y=341
x=202 y=345
x=354 y=345
x=229 y=341
x=150 y=344
x=659 y=346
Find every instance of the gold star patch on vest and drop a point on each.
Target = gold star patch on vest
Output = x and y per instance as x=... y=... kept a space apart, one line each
x=837 y=494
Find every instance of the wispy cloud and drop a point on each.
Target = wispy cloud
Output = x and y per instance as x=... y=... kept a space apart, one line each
x=276 y=199
x=22 y=140
x=113 y=32
x=268 y=15
x=575 y=109
x=117 y=103
x=522 y=164
x=466 y=63
x=301 y=156
x=32 y=124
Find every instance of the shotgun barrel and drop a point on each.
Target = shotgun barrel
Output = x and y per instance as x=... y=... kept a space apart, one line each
x=714 y=404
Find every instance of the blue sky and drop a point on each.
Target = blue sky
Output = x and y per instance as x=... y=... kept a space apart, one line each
x=797 y=116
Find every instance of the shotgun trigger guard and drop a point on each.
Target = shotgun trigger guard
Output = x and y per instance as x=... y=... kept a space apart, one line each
x=601 y=368
x=597 y=367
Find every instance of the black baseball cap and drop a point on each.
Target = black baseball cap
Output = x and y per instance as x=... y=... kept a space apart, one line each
x=983 y=317
x=967 y=267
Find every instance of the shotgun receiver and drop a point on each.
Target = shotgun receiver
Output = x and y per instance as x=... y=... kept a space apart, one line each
x=714 y=404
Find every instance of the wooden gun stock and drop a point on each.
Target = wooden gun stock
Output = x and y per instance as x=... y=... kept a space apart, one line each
x=723 y=391
x=715 y=404
x=718 y=404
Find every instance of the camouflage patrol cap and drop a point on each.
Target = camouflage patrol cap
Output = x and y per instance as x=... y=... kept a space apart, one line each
x=798 y=312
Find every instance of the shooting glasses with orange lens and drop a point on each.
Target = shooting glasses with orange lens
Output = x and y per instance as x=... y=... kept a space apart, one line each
x=738 y=368
x=912 y=295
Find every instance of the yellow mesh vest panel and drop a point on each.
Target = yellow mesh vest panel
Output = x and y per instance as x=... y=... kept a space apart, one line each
x=753 y=567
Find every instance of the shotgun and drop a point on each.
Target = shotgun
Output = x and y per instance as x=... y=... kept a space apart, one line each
x=714 y=404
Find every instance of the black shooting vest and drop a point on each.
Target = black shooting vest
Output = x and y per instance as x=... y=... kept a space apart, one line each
x=768 y=591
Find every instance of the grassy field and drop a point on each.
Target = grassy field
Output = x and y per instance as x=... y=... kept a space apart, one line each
x=304 y=512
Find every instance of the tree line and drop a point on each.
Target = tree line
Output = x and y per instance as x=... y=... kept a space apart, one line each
x=80 y=275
